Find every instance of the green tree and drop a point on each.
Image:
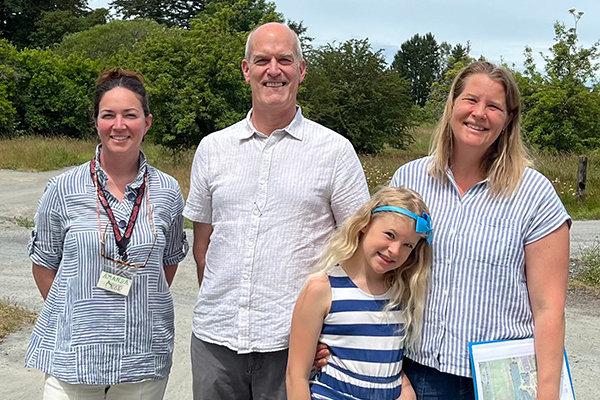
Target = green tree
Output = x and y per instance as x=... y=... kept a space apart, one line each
x=8 y=112
x=102 y=42
x=418 y=60
x=18 y=17
x=349 y=89
x=560 y=109
x=54 y=94
x=45 y=94
x=167 y=12
x=54 y=25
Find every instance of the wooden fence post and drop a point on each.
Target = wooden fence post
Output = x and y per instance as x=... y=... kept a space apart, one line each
x=582 y=177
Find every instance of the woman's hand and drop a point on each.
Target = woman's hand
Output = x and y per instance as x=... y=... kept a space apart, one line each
x=408 y=393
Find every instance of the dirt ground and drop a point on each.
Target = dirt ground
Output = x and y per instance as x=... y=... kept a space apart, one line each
x=19 y=192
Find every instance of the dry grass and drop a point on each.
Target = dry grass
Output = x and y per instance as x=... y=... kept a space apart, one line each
x=12 y=318
x=35 y=153
x=380 y=168
x=562 y=172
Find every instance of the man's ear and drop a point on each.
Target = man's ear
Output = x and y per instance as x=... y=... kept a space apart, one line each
x=302 y=70
x=246 y=70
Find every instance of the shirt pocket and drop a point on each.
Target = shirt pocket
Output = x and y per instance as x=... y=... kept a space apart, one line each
x=495 y=241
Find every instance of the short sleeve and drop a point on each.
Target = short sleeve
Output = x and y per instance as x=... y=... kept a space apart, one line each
x=176 y=242
x=549 y=214
x=198 y=207
x=350 y=190
x=46 y=243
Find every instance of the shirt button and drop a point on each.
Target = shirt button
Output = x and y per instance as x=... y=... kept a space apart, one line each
x=250 y=243
x=246 y=276
x=452 y=231
x=262 y=182
x=131 y=196
x=442 y=323
x=445 y=293
x=448 y=261
x=122 y=223
x=255 y=212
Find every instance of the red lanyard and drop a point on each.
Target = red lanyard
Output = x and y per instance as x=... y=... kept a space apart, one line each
x=121 y=240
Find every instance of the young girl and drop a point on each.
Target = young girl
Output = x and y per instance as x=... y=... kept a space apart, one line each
x=365 y=301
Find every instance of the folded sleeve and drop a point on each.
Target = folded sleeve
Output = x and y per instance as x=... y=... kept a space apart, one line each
x=47 y=238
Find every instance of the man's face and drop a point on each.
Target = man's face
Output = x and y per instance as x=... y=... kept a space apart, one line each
x=273 y=70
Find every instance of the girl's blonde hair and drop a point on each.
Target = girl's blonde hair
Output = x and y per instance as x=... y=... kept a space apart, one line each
x=507 y=158
x=409 y=282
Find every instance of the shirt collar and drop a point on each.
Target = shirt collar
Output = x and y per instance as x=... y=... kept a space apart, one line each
x=102 y=177
x=294 y=128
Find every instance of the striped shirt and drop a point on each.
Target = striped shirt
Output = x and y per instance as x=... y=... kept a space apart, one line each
x=365 y=345
x=272 y=201
x=479 y=289
x=88 y=335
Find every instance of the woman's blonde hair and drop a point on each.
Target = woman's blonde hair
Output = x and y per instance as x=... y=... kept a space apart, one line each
x=409 y=282
x=506 y=159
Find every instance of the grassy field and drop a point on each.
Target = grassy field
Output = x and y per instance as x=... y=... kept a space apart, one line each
x=40 y=154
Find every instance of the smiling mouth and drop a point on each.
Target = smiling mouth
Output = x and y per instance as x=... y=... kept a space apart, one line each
x=385 y=259
x=475 y=127
x=119 y=137
x=275 y=84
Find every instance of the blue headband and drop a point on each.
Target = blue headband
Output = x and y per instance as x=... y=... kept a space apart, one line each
x=423 y=225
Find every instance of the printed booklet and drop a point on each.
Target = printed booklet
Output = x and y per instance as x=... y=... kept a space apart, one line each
x=506 y=370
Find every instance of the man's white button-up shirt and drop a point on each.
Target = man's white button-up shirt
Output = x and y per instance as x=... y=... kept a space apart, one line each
x=272 y=201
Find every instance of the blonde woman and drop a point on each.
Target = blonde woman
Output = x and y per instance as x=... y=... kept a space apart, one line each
x=365 y=300
x=501 y=252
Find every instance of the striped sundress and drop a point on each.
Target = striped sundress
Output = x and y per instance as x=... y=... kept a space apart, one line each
x=365 y=345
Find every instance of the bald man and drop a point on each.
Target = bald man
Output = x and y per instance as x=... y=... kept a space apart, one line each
x=265 y=194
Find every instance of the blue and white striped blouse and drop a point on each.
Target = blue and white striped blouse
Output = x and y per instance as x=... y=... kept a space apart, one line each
x=365 y=345
x=85 y=334
x=478 y=284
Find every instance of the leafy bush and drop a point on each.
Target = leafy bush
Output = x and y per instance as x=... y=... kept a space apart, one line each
x=349 y=89
x=102 y=42
x=560 y=110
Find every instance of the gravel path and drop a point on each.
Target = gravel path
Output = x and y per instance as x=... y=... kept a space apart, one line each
x=19 y=193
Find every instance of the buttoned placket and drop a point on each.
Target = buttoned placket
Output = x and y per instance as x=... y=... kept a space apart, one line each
x=258 y=205
x=450 y=285
x=449 y=264
x=121 y=209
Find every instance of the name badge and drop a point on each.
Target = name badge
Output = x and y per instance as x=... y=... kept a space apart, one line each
x=114 y=283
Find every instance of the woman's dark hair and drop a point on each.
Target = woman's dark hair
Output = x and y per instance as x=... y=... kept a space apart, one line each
x=118 y=77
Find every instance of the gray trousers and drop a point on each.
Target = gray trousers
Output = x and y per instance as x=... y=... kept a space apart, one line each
x=219 y=373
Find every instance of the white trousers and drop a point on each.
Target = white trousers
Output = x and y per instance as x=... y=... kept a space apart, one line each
x=55 y=389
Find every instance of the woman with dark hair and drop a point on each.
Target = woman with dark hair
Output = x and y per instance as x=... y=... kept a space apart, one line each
x=107 y=241
x=501 y=240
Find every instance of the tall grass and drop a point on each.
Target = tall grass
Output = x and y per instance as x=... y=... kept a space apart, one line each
x=41 y=154
x=36 y=153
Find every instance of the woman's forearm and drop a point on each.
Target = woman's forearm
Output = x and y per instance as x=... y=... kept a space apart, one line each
x=549 y=333
x=44 y=277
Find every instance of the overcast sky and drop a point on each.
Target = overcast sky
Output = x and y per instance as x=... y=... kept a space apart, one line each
x=495 y=28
